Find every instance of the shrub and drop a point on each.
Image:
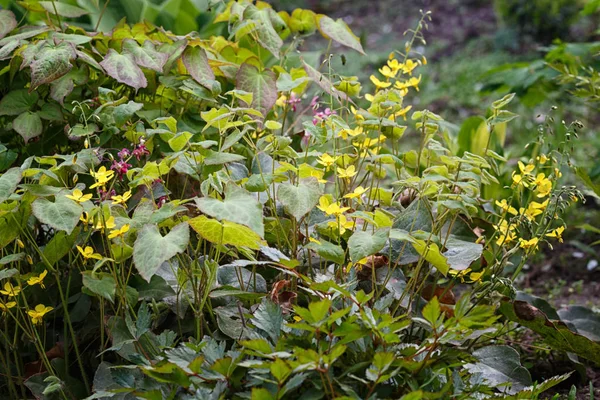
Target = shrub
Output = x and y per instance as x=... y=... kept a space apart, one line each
x=194 y=217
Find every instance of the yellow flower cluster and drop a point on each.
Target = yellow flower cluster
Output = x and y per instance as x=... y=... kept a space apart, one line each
x=391 y=70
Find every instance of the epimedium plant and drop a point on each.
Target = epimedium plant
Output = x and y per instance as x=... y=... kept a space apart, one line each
x=193 y=217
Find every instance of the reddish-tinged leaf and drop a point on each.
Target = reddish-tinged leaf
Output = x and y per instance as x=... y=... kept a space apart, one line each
x=7 y=22
x=145 y=56
x=196 y=62
x=123 y=68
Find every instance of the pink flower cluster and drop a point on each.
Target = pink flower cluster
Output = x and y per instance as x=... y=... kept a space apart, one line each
x=318 y=115
x=294 y=101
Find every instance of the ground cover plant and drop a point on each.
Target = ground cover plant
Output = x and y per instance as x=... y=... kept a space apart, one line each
x=217 y=214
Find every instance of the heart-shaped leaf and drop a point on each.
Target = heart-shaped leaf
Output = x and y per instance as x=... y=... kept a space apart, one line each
x=226 y=233
x=299 y=200
x=262 y=85
x=123 y=68
x=501 y=367
x=239 y=207
x=63 y=9
x=145 y=56
x=62 y=215
x=28 y=125
x=339 y=32
x=7 y=22
x=8 y=183
x=151 y=249
x=52 y=63
x=17 y=102
x=196 y=63
x=362 y=244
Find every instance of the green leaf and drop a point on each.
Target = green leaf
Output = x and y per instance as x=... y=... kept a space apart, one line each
x=100 y=284
x=225 y=233
x=17 y=102
x=196 y=63
x=8 y=183
x=262 y=85
x=62 y=215
x=59 y=246
x=62 y=9
x=328 y=251
x=432 y=312
x=8 y=273
x=269 y=318
x=123 y=68
x=7 y=22
x=151 y=249
x=218 y=158
x=501 y=367
x=362 y=244
x=52 y=63
x=28 y=125
x=585 y=321
x=145 y=56
x=555 y=333
x=123 y=112
x=239 y=207
x=431 y=253
x=266 y=20
x=503 y=101
x=460 y=253
x=339 y=32
x=299 y=200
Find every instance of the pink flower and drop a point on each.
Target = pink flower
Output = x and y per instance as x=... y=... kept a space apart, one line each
x=293 y=100
x=106 y=195
x=120 y=167
x=161 y=201
x=124 y=153
x=140 y=151
x=314 y=103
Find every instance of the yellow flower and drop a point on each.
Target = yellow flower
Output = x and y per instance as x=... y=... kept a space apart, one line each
x=529 y=244
x=466 y=275
x=121 y=199
x=518 y=179
x=39 y=279
x=38 y=313
x=110 y=223
x=368 y=142
x=281 y=101
x=102 y=177
x=379 y=84
x=20 y=243
x=330 y=208
x=78 y=196
x=542 y=159
x=6 y=306
x=401 y=113
x=356 y=114
x=557 y=173
x=344 y=133
x=359 y=191
x=506 y=207
x=388 y=72
x=412 y=82
x=10 y=290
x=557 y=233
x=85 y=218
x=342 y=223
x=326 y=160
x=507 y=233
x=533 y=209
x=313 y=240
x=347 y=173
x=526 y=169
x=543 y=185
x=118 y=232
x=88 y=252
x=409 y=66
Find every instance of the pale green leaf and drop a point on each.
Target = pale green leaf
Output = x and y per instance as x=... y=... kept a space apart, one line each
x=8 y=183
x=363 y=243
x=28 y=125
x=299 y=200
x=225 y=233
x=62 y=215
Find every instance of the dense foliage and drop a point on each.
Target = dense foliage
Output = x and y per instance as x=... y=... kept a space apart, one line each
x=219 y=215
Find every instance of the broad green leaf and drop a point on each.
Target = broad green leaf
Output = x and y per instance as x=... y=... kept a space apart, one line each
x=339 y=32
x=196 y=63
x=24 y=35
x=555 y=333
x=239 y=207
x=285 y=83
x=151 y=249
x=62 y=215
x=461 y=254
x=431 y=253
x=123 y=68
x=299 y=200
x=262 y=85
x=8 y=273
x=501 y=367
x=7 y=22
x=225 y=233
x=503 y=101
x=123 y=112
x=432 y=312
x=28 y=125
x=218 y=158
x=8 y=183
x=53 y=62
x=362 y=244
x=179 y=141
x=533 y=391
x=62 y=9
x=146 y=55
x=17 y=102
x=329 y=251
x=12 y=258
x=100 y=284
x=269 y=318
x=265 y=22
x=303 y=21
x=59 y=246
